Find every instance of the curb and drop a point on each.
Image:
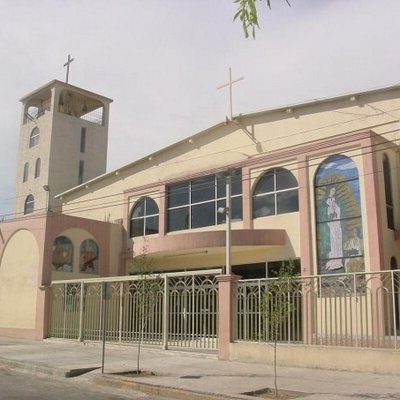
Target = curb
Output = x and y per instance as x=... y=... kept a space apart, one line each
x=164 y=391
x=43 y=370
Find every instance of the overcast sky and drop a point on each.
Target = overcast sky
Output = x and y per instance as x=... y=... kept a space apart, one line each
x=161 y=60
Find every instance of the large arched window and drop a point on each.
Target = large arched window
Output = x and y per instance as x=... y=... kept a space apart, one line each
x=62 y=254
x=276 y=192
x=338 y=216
x=29 y=204
x=89 y=257
x=388 y=192
x=26 y=172
x=37 y=168
x=144 y=218
x=34 y=138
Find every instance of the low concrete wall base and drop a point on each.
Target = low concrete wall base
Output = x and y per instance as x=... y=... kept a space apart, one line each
x=19 y=333
x=380 y=361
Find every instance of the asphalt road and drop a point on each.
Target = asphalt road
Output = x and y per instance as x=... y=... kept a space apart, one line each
x=16 y=385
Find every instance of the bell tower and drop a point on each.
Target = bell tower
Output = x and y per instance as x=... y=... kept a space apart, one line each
x=62 y=144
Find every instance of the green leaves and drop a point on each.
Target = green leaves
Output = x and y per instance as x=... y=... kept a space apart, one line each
x=247 y=13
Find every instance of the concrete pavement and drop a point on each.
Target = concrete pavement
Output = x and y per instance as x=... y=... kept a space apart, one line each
x=189 y=375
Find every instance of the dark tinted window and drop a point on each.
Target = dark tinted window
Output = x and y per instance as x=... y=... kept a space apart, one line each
x=203 y=215
x=203 y=189
x=178 y=219
x=178 y=194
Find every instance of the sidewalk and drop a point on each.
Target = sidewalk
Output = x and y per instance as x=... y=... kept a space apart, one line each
x=188 y=375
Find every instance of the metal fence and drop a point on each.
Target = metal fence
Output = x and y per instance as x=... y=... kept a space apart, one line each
x=174 y=309
x=357 y=309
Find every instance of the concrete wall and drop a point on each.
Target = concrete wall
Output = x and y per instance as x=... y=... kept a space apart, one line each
x=334 y=358
x=26 y=267
x=19 y=270
x=33 y=185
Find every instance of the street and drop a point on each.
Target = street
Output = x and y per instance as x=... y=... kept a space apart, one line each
x=16 y=385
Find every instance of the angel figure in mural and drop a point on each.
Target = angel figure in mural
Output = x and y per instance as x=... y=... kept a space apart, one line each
x=353 y=247
x=335 y=232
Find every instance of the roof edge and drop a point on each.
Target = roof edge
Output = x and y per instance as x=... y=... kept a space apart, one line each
x=67 y=85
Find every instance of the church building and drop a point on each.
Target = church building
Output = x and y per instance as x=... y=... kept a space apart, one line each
x=313 y=184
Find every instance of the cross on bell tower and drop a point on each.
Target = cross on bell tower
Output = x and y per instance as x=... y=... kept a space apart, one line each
x=67 y=64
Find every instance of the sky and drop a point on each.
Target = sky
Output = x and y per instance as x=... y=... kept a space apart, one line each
x=161 y=62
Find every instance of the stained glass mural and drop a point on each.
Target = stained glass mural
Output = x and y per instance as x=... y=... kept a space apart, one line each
x=89 y=257
x=62 y=254
x=338 y=212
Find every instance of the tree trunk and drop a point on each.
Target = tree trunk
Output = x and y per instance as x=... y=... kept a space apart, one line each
x=275 y=368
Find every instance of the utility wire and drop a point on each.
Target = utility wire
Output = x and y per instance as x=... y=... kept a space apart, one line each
x=269 y=140
x=116 y=203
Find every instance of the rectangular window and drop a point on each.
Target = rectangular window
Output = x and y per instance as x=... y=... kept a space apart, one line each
x=83 y=139
x=250 y=271
x=80 y=173
x=194 y=204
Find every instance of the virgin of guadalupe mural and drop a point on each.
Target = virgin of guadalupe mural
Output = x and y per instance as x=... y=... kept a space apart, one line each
x=335 y=233
x=62 y=254
x=89 y=257
x=338 y=212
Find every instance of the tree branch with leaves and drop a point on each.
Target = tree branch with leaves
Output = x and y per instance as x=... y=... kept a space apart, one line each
x=277 y=304
x=146 y=289
x=247 y=13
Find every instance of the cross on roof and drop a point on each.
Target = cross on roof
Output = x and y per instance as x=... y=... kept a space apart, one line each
x=69 y=61
x=230 y=83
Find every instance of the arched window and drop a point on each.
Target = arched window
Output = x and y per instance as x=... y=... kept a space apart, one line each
x=37 y=168
x=276 y=192
x=29 y=204
x=89 y=257
x=34 y=139
x=393 y=263
x=62 y=254
x=26 y=172
x=338 y=215
x=144 y=218
x=388 y=192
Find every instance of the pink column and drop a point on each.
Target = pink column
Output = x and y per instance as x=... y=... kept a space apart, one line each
x=305 y=246
x=227 y=294
x=43 y=304
x=373 y=218
x=372 y=205
x=304 y=215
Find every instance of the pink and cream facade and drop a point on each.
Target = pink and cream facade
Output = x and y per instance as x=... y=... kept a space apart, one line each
x=317 y=183
x=314 y=183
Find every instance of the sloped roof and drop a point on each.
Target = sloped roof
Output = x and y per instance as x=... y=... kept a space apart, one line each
x=282 y=108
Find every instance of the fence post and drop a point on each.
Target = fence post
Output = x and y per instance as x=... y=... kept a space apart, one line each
x=394 y=308
x=165 y=326
x=64 y=335
x=121 y=309
x=227 y=313
x=81 y=309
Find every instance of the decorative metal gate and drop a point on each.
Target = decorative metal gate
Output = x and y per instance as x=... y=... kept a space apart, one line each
x=354 y=309
x=176 y=309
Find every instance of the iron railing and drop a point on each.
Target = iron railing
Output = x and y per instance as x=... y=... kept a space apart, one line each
x=355 y=309
x=174 y=309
